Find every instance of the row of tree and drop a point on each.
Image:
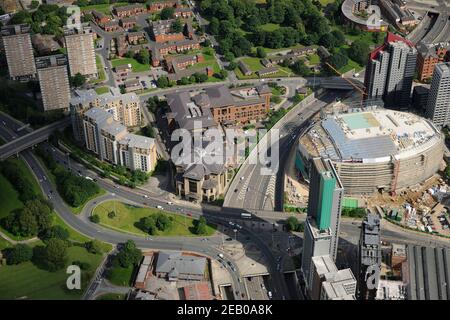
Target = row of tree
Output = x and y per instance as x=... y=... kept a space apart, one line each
x=11 y=171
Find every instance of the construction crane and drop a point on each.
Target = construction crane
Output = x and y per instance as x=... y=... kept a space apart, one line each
x=361 y=91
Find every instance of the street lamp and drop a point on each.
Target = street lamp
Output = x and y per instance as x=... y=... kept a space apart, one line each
x=235 y=234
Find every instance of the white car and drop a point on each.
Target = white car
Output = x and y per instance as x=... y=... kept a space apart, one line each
x=159 y=207
x=145 y=196
x=220 y=255
x=169 y=203
x=231 y=223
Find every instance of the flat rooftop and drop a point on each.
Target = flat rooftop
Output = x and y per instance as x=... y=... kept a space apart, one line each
x=374 y=135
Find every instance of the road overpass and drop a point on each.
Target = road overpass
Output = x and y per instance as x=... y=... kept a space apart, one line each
x=335 y=83
x=30 y=139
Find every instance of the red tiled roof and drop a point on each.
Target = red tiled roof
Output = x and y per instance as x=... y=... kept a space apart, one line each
x=390 y=37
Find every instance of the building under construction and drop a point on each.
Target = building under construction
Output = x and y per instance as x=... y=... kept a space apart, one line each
x=373 y=149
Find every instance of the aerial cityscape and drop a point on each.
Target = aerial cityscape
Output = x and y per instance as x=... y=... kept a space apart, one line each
x=225 y=150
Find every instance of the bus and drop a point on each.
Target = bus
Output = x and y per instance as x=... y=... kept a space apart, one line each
x=246 y=215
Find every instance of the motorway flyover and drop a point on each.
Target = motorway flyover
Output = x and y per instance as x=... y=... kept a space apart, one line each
x=30 y=139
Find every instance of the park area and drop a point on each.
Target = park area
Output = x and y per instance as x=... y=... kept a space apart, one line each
x=135 y=65
x=126 y=218
x=27 y=281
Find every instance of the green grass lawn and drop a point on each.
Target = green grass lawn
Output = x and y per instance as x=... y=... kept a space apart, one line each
x=111 y=296
x=127 y=216
x=102 y=90
x=314 y=59
x=103 y=8
x=26 y=281
x=101 y=71
x=77 y=210
x=255 y=65
x=4 y=244
x=9 y=198
x=349 y=66
x=135 y=65
x=270 y=27
x=121 y=276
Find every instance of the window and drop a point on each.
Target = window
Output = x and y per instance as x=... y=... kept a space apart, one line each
x=192 y=186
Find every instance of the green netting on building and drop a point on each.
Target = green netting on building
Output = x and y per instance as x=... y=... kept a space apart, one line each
x=350 y=203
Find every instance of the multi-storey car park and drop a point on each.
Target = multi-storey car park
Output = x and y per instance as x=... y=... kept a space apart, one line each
x=374 y=150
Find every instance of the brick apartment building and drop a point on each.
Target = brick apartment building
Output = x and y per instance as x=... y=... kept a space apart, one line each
x=128 y=22
x=161 y=4
x=427 y=59
x=162 y=49
x=111 y=26
x=180 y=63
x=124 y=107
x=99 y=17
x=129 y=10
x=162 y=31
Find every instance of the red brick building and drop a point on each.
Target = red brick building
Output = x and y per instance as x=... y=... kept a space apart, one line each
x=111 y=26
x=427 y=60
x=128 y=22
x=159 y=5
x=129 y=10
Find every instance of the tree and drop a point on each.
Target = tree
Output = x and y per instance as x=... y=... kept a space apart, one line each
x=129 y=255
x=338 y=60
x=34 y=4
x=53 y=256
x=231 y=66
x=167 y=13
x=163 y=222
x=18 y=254
x=300 y=68
x=328 y=41
x=200 y=226
x=148 y=225
x=447 y=172
x=359 y=51
x=78 y=80
x=260 y=52
x=162 y=82
x=55 y=232
x=214 y=26
x=177 y=26
x=95 y=218
x=143 y=56
x=223 y=74
x=94 y=246
x=291 y=223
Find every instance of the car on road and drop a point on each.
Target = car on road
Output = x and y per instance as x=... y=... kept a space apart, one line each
x=228 y=239
x=145 y=196
x=169 y=203
x=242 y=178
x=220 y=255
x=231 y=223
x=269 y=293
x=159 y=207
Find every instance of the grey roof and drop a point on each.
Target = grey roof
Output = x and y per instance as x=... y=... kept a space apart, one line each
x=136 y=141
x=187 y=113
x=244 y=68
x=219 y=96
x=174 y=263
x=372 y=147
x=428 y=272
x=269 y=70
x=85 y=97
x=98 y=115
